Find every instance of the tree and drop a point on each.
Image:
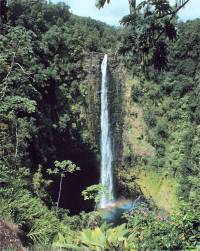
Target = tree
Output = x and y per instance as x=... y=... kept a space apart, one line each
x=95 y=193
x=132 y=5
x=161 y=6
x=40 y=183
x=151 y=24
x=61 y=169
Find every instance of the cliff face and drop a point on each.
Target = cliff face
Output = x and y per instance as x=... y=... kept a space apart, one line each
x=125 y=119
x=133 y=175
x=129 y=133
x=117 y=82
x=120 y=111
x=92 y=107
x=118 y=108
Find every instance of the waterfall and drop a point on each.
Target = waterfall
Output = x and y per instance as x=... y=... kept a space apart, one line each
x=106 y=147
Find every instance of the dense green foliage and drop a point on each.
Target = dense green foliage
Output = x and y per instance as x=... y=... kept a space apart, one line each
x=43 y=125
x=154 y=231
x=171 y=110
x=170 y=103
x=150 y=25
x=42 y=47
x=99 y=239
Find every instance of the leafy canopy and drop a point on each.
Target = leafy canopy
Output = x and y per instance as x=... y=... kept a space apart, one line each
x=150 y=24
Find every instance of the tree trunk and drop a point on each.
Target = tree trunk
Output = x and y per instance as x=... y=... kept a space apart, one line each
x=132 y=5
x=16 y=144
x=59 y=194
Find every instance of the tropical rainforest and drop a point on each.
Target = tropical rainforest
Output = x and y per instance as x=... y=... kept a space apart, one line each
x=49 y=110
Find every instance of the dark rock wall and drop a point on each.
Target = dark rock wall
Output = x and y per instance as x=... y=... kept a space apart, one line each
x=117 y=80
x=92 y=68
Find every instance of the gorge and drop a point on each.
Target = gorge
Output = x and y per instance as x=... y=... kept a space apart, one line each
x=79 y=111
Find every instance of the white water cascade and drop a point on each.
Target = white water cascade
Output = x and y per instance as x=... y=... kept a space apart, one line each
x=106 y=146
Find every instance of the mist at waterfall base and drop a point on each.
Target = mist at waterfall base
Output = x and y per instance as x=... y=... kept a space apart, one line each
x=114 y=211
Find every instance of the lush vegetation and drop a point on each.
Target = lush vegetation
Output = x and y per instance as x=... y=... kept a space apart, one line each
x=44 y=137
x=41 y=117
x=171 y=112
x=150 y=25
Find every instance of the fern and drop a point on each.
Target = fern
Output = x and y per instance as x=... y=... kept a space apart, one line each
x=22 y=208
